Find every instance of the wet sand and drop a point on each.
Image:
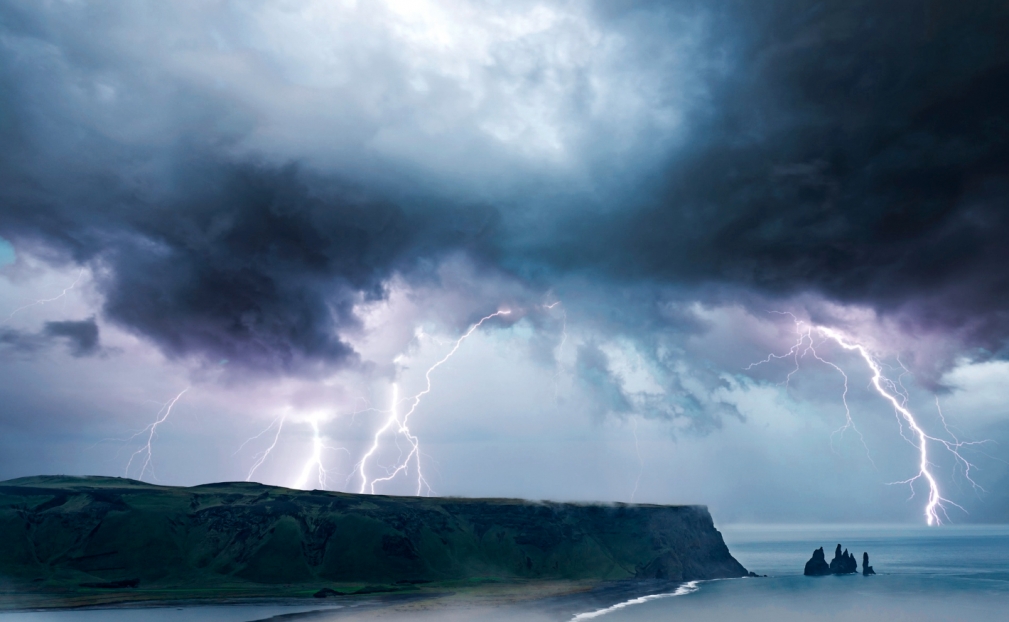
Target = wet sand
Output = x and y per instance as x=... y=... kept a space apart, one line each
x=545 y=602
x=533 y=601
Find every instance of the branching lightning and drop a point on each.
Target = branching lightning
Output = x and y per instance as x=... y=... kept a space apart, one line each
x=314 y=462
x=401 y=425
x=260 y=458
x=146 y=450
x=48 y=300
x=806 y=345
x=393 y=419
x=894 y=393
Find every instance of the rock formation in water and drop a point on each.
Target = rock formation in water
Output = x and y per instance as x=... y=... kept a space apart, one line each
x=70 y=534
x=843 y=563
x=817 y=565
x=866 y=568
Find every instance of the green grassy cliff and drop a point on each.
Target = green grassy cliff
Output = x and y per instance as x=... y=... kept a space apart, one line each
x=78 y=535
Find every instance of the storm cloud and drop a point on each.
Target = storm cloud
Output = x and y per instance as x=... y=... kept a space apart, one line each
x=856 y=150
x=237 y=208
x=81 y=335
x=282 y=215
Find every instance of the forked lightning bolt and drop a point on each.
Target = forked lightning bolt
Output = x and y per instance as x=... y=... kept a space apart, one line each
x=260 y=458
x=151 y=430
x=401 y=425
x=803 y=346
x=314 y=462
x=896 y=395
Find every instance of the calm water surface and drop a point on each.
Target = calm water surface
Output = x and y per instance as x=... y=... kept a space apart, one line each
x=923 y=574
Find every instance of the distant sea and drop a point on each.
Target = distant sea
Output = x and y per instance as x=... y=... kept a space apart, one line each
x=923 y=575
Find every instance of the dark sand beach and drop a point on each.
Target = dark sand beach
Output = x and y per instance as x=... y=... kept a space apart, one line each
x=547 y=601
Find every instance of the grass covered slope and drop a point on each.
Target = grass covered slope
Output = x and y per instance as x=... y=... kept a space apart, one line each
x=81 y=534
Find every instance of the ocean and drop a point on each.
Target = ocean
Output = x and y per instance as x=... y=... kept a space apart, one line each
x=923 y=575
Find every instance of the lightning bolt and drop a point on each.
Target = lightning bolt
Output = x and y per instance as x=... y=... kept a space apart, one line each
x=47 y=300
x=314 y=462
x=805 y=345
x=402 y=424
x=151 y=430
x=260 y=458
x=896 y=395
x=393 y=419
x=967 y=466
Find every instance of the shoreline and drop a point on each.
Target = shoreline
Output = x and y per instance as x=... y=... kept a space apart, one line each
x=548 y=600
x=27 y=600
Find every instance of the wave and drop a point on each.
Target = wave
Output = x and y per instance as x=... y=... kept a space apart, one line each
x=687 y=588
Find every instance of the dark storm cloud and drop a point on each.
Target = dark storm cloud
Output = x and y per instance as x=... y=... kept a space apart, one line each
x=20 y=341
x=81 y=335
x=858 y=150
x=252 y=262
x=257 y=268
x=249 y=263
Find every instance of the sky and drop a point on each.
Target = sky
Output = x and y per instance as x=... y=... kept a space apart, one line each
x=748 y=255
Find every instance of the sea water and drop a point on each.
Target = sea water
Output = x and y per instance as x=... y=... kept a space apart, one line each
x=922 y=575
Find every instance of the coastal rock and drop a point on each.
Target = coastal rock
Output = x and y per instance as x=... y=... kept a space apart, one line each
x=817 y=565
x=843 y=563
x=866 y=568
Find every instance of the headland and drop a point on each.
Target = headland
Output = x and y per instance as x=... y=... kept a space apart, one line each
x=76 y=541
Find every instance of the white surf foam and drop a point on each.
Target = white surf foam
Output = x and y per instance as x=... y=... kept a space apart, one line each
x=686 y=588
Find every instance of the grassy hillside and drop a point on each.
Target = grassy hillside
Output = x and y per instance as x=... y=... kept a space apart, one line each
x=94 y=538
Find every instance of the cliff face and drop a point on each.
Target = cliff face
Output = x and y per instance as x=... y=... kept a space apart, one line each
x=92 y=530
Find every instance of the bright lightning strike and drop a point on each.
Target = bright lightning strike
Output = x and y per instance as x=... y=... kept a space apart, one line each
x=896 y=395
x=393 y=419
x=151 y=430
x=48 y=300
x=803 y=346
x=314 y=462
x=402 y=424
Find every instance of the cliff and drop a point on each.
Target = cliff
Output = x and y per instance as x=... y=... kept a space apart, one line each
x=76 y=535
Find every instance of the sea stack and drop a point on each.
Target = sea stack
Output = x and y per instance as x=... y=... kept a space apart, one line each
x=843 y=563
x=866 y=568
x=817 y=565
